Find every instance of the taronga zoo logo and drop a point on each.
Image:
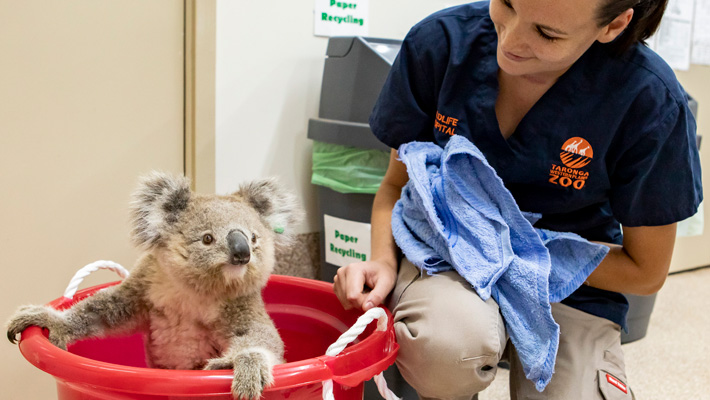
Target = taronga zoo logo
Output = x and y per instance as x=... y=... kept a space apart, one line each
x=576 y=154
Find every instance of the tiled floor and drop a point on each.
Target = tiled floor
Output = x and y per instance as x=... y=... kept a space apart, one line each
x=673 y=360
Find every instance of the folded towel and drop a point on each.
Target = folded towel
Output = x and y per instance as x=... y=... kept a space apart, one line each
x=455 y=213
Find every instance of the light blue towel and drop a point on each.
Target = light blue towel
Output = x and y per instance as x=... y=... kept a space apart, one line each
x=455 y=213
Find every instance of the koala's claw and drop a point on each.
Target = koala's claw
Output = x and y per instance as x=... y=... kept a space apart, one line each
x=23 y=318
x=33 y=315
x=12 y=337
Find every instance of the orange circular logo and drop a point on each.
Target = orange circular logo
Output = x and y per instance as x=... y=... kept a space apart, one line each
x=576 y=153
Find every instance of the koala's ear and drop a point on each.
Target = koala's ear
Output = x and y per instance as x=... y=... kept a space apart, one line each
x=277 y=206
x=157 y=204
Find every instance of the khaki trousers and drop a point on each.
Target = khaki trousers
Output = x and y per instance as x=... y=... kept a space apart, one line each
x=451 y=342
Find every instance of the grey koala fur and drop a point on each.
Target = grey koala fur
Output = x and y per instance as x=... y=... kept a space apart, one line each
x=196 y=289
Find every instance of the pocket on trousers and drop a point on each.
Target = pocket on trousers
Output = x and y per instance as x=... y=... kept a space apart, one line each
x=613 y=388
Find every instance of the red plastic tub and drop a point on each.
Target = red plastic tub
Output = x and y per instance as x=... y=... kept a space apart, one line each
x=307 y=315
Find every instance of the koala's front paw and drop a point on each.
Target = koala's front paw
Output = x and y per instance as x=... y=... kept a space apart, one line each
x=252 y=372
x=41 y=316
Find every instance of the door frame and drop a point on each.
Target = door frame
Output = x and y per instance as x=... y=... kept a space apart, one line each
x=200 y=63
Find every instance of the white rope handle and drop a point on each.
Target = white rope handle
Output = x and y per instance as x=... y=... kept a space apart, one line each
x=346 y=338
x=88 y=269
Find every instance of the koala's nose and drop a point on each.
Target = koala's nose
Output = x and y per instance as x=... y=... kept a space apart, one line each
x=239 y=253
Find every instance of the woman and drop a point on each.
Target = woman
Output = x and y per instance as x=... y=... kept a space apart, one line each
x=584 y=125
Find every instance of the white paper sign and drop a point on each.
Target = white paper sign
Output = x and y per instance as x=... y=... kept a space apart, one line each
x=674 y=36
x=673 y=43
x=346 y=241
x=341 y=18
x=701 y=33
x=680 y=10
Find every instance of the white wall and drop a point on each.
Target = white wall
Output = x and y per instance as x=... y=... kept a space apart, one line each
x=268 y=81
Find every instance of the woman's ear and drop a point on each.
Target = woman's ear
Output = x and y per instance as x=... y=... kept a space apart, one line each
x=615 y=27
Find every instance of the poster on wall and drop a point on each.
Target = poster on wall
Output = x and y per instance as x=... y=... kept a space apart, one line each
x=701 y=33
x=674 y=36
x=341 y=18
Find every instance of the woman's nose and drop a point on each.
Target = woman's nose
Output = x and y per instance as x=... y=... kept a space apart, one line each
x=512 y=38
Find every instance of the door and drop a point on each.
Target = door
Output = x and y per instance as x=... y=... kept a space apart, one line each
x=91 y=96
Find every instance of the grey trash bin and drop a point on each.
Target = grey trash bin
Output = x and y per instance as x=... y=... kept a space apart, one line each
x=355 y=71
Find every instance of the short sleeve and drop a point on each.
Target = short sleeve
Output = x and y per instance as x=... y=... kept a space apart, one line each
x=658 y=180
x=406 y=106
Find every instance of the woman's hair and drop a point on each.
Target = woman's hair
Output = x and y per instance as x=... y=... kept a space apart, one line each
x=647 y=17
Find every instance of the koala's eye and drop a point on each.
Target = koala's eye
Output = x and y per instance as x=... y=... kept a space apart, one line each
x=207 y=239
x=253 y=238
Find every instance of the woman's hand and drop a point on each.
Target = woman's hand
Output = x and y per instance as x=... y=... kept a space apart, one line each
x=364 y=285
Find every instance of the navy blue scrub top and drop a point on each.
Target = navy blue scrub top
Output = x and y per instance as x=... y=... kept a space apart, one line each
x=611 y=142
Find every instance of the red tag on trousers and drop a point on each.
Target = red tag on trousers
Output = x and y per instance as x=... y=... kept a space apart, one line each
x=617 y=383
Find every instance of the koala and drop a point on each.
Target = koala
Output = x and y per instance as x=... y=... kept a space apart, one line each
x=195 y=290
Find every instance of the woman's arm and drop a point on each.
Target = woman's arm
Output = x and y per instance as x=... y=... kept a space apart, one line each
x=640 y=265
x=351 y=283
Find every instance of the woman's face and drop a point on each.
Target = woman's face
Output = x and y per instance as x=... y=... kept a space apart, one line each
x=541 y=39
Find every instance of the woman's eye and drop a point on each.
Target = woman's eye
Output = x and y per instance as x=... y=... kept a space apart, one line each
x=507 y=4
x=207 y=239
x=253 y=238
x=546 y=36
